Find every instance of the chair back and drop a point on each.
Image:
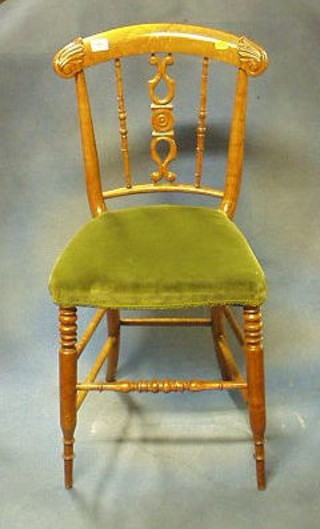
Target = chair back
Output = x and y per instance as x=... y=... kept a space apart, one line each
x=161 y=42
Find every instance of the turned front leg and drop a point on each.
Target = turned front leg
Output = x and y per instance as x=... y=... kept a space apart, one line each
x=256 y=395
x=68 y=381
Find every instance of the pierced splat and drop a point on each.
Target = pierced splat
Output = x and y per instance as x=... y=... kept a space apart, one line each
x=162 y=119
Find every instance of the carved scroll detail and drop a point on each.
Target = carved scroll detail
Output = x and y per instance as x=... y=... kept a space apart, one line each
x=252 y=59
x=161 y=64
x=69 y=60
x=162 y=119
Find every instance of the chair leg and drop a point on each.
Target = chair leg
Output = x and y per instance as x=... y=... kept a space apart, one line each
x=68 y=381
x=113 y=318
x=218 y=332
x=255 y=376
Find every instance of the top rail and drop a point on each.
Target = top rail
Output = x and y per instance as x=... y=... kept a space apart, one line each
x=152 y=38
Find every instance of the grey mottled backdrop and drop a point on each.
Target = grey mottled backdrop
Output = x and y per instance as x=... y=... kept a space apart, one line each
x=154 y=461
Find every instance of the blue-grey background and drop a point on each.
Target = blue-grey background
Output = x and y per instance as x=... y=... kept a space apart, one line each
x=154 y=461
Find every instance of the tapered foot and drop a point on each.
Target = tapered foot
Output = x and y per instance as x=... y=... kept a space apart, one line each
x=260 y=463
x=68 y=457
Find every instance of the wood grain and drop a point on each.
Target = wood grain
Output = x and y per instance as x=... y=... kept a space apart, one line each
x=162 y=37
x=236 y=146
x=89 y=148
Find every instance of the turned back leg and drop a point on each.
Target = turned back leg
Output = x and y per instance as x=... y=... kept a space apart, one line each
x=113 y=319
x=218 y=332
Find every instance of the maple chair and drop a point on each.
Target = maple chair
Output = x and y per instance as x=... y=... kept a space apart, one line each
x=202 y=259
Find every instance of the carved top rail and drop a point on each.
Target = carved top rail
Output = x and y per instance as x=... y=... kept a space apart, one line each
x=152 y=38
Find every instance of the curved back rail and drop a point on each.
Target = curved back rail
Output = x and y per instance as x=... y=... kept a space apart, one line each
x=247 y=56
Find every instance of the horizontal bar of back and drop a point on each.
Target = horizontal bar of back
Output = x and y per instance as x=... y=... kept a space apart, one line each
x=153 y=38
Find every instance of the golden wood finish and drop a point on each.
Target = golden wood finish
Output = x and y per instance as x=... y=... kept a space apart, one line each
x=231 y=365
x=163 y=188
x=218 y=332
x=70 y=60
x=167 y=321
x=253 y=59
x=162 y=119
x=234 y=324
x=85 y=338
x=106 y=350
x=201 y=129
x=227 y=363
x=165 y=386
x=123 y=123
x=154 y=38
x=89 y=149
x=208 y=43
x=255 y=376
x=113 y=318
x=68 y=380
x=236 y=146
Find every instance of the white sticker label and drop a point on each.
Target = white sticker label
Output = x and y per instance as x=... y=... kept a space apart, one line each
x=99 y=45
x=221 y=45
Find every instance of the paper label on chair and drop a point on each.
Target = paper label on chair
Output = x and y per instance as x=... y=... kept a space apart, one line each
x=99 y=44
x=221 y=45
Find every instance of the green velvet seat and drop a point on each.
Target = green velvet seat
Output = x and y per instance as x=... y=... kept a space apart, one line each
x=162 y=256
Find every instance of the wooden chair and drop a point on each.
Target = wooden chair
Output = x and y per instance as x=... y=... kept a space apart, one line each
x=199 y=256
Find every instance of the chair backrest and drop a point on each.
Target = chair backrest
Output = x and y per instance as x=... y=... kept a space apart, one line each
x=152 y=39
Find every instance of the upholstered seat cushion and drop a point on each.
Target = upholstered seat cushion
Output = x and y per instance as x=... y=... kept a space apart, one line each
x=162 y=256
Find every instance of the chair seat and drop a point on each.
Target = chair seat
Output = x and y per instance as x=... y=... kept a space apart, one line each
x=163 y=256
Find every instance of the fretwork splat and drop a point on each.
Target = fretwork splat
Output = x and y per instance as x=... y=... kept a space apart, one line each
x=162 y=119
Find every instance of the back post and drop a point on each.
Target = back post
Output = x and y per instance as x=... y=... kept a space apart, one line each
x=236 y=146
x=89 y=148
